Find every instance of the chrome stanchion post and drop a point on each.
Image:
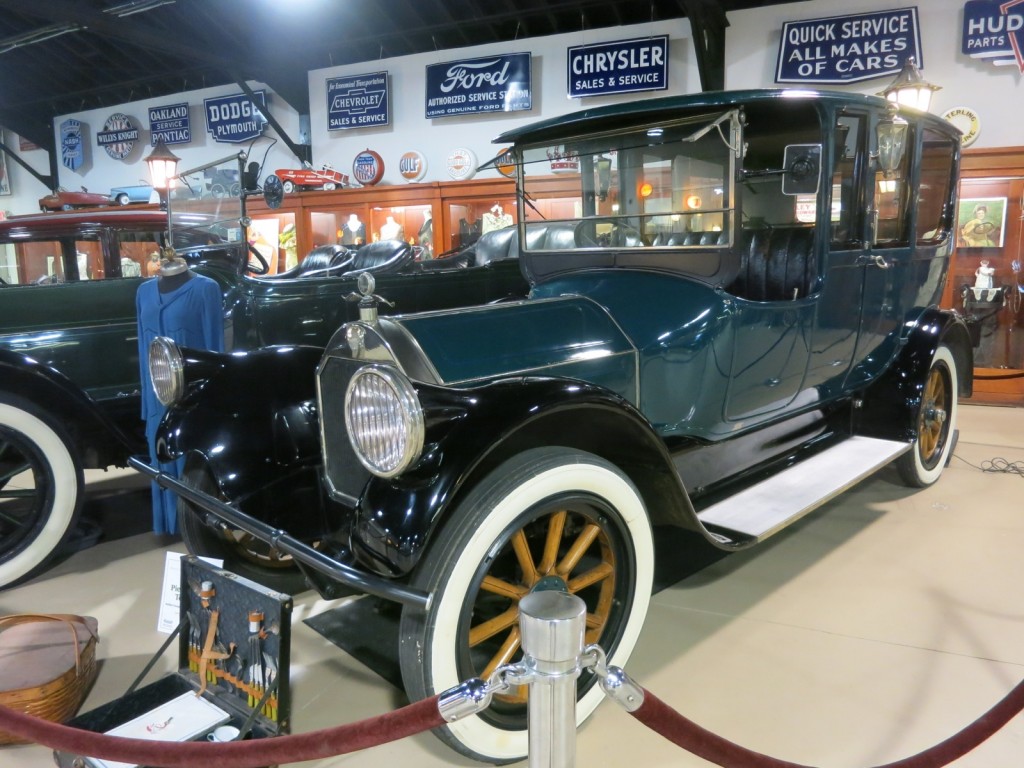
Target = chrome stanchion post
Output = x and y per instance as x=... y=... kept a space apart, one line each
x=552 y=626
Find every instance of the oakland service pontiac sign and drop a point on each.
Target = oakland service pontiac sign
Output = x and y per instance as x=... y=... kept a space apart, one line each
x=490 y=84
x=358 y=101
x=170 y=123
x=235 y=118
x=623 y=66
x=846 y=49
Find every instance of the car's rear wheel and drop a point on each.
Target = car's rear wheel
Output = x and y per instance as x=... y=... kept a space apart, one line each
x=330 y=186
x=289 y=187
x=241 y=553
x=122 y=199
x=41 y=486
x=935 y=425
x=548 y=519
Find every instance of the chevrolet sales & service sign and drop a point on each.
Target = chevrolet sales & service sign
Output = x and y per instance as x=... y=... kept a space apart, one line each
x=846 y=49
x=359 y=101
x=623 y=66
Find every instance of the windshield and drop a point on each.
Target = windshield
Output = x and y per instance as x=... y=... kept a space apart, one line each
x=205 y=205
x=646 y=186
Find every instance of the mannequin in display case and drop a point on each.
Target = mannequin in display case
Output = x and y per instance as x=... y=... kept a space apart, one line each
x=353 y=232
x=496 y=218
x=425 y=237
x=391 y=230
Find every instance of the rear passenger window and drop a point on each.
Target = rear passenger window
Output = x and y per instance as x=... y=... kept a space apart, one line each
x=139 y=253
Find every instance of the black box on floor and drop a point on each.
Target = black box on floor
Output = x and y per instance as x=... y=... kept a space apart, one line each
x=233 y=645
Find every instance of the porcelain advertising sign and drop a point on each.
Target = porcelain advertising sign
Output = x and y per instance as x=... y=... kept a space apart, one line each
x=236 y=118
x=994 y=30
x=623 y=66
x=118 y=136
x=359 y=101
x=490 y=84
x=170 y=122
x=72 y=149
x=846 y=49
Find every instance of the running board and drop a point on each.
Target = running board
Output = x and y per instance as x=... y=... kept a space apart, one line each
x=771 y=505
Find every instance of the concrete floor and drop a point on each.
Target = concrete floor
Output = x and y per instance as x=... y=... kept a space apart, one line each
x=872 y=629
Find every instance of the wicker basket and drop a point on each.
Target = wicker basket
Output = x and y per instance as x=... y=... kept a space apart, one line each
x=47 y=665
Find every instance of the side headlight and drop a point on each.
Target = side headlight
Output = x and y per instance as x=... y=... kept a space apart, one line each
x=166 y=370
x=384 y=420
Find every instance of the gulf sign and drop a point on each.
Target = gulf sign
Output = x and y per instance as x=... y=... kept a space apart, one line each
x=847 y=49
x=623 y=66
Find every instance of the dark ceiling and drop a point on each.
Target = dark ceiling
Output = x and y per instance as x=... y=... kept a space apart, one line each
x=63 y=56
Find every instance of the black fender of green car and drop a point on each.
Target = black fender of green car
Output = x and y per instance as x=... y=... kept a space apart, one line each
x=99 y=439
x=890 y=405
x=472 y=431
x=249 y=416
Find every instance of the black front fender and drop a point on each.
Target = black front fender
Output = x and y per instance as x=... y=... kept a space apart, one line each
x=251 y=416
x=472 y=431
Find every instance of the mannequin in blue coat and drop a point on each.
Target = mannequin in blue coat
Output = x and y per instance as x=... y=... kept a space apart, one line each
x=187 y=308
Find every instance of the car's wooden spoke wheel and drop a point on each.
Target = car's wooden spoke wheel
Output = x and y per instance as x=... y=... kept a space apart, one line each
x=931 y=426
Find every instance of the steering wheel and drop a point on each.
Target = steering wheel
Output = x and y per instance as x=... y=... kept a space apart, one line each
x=621 y=235
x=263 y=267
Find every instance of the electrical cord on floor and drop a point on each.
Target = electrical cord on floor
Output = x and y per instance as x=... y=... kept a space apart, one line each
x=999 y=465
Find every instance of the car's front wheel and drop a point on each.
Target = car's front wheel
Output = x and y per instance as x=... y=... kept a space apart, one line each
x=935 y=425
x=122 y=199
x=240 y=552
x=41 y=486
x=547 y=519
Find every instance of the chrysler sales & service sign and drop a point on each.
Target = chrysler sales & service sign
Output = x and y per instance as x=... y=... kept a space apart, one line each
x=623 y=66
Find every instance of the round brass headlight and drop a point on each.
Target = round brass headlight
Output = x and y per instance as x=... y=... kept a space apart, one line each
x=384 y=420
x=166 y=370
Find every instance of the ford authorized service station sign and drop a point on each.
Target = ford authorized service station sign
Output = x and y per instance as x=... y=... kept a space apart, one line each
x=491 y=84
x=623 y=66
x=845 y=49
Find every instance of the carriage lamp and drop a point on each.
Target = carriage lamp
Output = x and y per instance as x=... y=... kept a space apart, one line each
x=163 y=165
x=909 y=89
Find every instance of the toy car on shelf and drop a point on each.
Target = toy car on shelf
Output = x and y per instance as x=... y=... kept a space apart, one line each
x=65 y=199
x=137 y=193
x=311 y=178
x=730 y=321
x=69 y=358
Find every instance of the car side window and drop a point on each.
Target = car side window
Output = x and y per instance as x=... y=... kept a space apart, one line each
x=138 y=252
x=938 y=161
x=35 y=262
x=846 y=229
x=893 y=202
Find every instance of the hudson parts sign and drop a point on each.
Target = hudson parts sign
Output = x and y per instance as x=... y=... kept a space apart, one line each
x=846 y=49
x=994 y=31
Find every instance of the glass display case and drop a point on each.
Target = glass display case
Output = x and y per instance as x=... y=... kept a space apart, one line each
x=986 y=282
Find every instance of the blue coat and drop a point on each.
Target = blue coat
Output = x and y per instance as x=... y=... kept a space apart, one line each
x=190 y=315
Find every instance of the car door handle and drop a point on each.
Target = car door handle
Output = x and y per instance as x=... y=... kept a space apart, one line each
x=874 y=260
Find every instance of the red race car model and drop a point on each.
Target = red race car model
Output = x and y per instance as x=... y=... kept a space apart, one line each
x=311 y=178
x=64 y=200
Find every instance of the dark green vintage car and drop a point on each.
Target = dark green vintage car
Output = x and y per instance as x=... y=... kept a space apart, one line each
x=733 y=317
x=69 y=358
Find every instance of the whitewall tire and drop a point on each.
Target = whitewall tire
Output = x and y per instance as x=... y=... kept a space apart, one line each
x=936 y=423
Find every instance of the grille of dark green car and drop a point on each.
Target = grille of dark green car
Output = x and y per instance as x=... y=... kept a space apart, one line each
x=345 y=475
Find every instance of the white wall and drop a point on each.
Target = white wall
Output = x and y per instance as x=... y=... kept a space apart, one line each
x=752 y=44
x=995 y=93
x=436 y=138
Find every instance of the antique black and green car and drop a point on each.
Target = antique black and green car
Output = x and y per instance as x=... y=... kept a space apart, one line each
x=69 y=350
x=733 y=317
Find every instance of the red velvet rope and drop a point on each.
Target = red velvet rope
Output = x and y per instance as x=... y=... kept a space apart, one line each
x=662 y=719
x=409 y=720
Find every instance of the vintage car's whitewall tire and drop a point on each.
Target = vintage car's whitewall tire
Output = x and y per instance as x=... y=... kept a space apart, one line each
x=289 y=187
x=35 y=455
x=524 y=497
x=936 y=423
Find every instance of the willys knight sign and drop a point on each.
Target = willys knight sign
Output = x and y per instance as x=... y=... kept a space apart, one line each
x=845 y=49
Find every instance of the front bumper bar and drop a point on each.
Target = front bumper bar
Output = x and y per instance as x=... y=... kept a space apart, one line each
x=300 y=551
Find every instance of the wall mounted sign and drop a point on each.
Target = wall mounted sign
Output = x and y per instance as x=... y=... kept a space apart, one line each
x=170 y=122
x=357 y=101
x=505 y=162
x=967 y=120
x=994 y=31
x=118 y=136
x=236 y=118
x=623 y=66
x=368 y=168
x=72 y=148
x=563 y=161
x=846 y=49
x=461 y=164
x=412 y=165
x=490 y=84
